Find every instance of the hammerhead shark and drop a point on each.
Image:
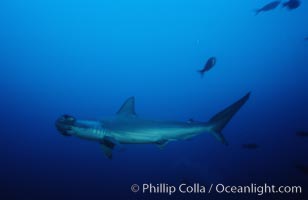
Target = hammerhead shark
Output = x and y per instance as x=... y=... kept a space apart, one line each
x=127 y=128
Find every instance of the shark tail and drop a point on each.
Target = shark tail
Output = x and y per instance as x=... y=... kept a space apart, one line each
x=257 y=11
x=220 y=120
x=201 y=72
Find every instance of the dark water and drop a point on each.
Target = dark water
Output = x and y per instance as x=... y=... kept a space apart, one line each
x=86 y=57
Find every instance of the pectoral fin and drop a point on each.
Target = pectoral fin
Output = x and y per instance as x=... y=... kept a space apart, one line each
x=161 y=143
x=107 y=147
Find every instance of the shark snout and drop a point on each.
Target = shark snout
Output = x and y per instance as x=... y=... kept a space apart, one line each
x=64 y=124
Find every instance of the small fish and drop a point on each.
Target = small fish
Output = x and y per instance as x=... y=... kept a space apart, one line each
x=306 y=38
x=302 y=168
x=268 y=7
x=302 y=133
x=292 y=4
x=250 y=146
x=209 y=65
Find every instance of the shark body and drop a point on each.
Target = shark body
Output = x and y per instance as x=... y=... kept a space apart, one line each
x=127 y=128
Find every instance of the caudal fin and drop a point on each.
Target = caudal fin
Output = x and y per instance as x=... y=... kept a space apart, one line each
x=257 y=11
x=201 y=72
x=220 y=120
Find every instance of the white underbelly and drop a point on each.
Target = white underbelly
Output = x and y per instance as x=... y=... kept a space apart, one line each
x=154 y=135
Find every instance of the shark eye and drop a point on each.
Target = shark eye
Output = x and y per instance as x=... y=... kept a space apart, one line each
x=69 y=118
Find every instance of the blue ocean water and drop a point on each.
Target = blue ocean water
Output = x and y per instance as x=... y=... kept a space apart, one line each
x=85 y=58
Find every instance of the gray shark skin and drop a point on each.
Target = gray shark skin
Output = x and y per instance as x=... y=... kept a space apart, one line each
x=127 y=128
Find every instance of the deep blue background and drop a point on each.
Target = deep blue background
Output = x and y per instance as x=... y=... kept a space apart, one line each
x=86 y=57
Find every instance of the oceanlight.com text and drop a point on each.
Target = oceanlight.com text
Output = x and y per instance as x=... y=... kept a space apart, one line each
x=197 y=188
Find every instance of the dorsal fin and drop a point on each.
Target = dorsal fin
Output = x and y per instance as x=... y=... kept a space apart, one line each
x=128 y=107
